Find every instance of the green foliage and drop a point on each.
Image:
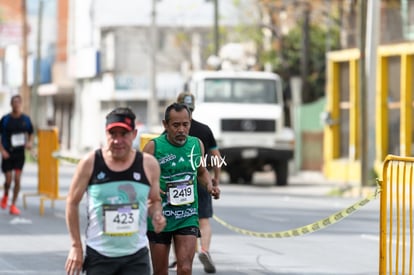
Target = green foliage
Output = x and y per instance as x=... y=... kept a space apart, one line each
x=287 y=61
x=285 y=55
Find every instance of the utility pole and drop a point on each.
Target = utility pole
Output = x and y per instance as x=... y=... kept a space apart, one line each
x=216 y=28
x=363 y=93
x=305 y=52
x=152 y=108
x=38 y=59
x=24 y=91
x=372 y=36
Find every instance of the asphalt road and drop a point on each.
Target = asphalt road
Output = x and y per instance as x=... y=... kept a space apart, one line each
x=34 y=244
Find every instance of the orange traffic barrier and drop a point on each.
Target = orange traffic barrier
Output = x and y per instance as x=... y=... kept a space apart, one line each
x=48 y=169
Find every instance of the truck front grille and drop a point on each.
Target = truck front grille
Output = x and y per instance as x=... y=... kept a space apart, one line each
x=248 y=125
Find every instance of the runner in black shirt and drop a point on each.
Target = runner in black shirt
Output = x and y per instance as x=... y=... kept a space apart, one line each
x=16 y=132
x=204 y=133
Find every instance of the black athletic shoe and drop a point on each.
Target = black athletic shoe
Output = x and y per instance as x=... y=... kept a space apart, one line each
x=207 y=262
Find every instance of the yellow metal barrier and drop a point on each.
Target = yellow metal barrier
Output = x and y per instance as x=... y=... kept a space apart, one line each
x=396 y=216
x=48 y=169
x=144 y=138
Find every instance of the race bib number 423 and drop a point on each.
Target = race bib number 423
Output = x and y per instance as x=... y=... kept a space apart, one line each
x=121 y=219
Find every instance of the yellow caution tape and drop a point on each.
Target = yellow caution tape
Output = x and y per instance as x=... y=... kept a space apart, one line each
x=310 y=228
x=72 y=160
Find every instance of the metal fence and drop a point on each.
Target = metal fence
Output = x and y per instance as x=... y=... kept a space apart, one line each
x=396 y=216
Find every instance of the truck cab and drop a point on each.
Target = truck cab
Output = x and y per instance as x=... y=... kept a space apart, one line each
x=244 y=109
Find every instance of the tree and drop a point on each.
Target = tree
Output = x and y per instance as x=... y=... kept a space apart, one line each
x=287 y=62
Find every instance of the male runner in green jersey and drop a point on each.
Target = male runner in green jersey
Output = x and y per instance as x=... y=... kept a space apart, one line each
x=179 y=156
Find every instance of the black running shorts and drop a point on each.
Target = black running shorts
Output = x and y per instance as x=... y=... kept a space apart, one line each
x=97 y=264
x=14 y=162
x=166 y=237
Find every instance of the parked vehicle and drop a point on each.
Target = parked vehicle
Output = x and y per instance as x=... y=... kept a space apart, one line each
x=244 y=109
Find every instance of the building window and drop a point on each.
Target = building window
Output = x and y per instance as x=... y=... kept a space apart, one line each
x=108 y=52
x=407 y=13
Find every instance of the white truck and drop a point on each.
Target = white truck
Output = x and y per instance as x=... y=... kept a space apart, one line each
x=244 y=109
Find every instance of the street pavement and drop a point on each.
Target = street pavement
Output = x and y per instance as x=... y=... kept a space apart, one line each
x=35 y=244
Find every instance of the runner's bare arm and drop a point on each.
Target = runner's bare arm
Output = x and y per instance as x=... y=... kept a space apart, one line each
x=152 y=170
x=204 y=177
x=216 y=165
x=3 y=151
x=76 y=191
x=29 y=142
x=149 y=147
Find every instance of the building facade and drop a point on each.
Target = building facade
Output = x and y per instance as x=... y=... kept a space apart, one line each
x=115 y=62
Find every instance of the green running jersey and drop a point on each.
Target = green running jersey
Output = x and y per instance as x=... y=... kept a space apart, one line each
x=178 y=181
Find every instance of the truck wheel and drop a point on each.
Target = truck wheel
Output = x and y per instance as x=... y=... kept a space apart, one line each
x=234 y=175
x=281 y=171
x=247 y=177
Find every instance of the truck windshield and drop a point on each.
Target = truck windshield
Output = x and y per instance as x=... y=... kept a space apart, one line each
x=254 y=91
